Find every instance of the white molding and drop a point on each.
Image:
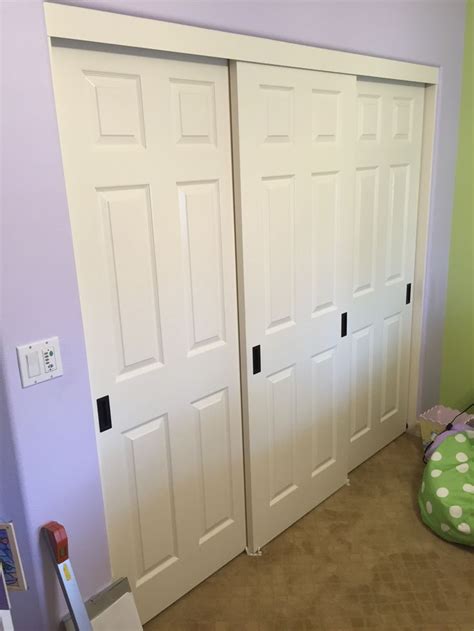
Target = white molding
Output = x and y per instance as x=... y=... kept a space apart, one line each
x=422 y=233
x=234 y=111
x=76 y=23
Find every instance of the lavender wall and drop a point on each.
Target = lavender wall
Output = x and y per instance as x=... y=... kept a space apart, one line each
x=50 y=426
x=12 y=505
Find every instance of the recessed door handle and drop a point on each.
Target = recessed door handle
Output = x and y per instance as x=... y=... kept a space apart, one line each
x=103 y=412
x=256 y=360
x=408 y=294
x=344 y=324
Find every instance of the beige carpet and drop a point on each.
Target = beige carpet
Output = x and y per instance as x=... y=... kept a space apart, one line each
x=361 y=560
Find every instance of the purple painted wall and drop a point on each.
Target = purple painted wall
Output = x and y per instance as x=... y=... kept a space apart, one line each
x=50 y=426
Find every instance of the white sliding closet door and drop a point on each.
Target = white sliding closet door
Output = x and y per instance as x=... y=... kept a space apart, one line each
x=294 y=136
x=147 y=157
x=389 y=127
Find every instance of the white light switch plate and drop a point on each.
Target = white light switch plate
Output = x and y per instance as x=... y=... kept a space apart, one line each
x=39 y=361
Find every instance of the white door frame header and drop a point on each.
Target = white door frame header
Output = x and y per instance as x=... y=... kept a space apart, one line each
x=91 y=25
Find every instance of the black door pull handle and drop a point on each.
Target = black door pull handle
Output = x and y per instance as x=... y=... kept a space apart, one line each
x=256 y=360
x=344 y=324
x=103 y=412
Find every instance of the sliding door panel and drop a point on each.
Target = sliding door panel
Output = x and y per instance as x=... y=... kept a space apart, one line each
x=147 y=158
x=294 y=163
x=388 y=153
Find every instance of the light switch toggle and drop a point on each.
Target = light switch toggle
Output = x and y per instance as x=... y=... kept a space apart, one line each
x=33 y=364
x=39 y=361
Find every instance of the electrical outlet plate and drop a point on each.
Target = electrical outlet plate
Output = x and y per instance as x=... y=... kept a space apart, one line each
x=39 y=361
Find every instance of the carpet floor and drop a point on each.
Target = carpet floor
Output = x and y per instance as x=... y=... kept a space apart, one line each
x=362 y=560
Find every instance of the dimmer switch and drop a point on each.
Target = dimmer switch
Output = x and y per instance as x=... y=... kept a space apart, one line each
x=39 y=361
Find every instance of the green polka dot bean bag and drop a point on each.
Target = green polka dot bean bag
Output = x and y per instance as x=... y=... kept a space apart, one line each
x=446 y=497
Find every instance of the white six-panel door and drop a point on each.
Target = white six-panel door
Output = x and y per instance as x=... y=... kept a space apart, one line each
x=388 y=153
x=294 y=156
x=147 y=157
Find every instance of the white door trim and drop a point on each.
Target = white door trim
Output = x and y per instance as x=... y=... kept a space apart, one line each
x=422 y=233
x=89 y=25
x=104 y=27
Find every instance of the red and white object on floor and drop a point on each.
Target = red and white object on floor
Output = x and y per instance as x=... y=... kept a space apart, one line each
x=56 y=537
x=114 y=608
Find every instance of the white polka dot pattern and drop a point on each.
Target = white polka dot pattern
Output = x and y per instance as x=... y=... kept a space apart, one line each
x=446 y=498
x=455 y=511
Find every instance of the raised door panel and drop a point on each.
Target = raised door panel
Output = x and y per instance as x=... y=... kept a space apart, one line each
x=215 y=458
x=369 y=117
x=362 y=382
x=117 y=104
x=202 y=252
x=326 y=116
x=397 y=223
x=324 y=411
x=278 y=243
x=365 y=231
x=277 y=113
x=152 y=498
x=194 y=110
x=392 y=340
x=325 y=224
x=281 y=398
x=402 y=118
x=129 y=246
